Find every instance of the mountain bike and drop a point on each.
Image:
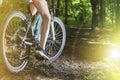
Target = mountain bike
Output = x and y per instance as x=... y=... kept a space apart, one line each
x=21 y=35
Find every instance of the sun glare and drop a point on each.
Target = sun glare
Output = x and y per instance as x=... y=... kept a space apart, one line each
x=115 y=53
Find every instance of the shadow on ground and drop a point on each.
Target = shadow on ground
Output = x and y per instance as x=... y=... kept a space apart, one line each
x=84 y=58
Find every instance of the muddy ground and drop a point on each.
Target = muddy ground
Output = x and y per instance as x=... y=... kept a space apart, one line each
x=84 y=58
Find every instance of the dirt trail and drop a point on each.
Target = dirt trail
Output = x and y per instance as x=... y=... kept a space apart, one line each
x=80 y=60
x=86 y=63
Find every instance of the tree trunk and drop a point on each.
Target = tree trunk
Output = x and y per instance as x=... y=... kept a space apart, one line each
x=58 y=7
x=95 y=13
x=102 y=13
x=118 y=14
x=53 y=6
x=66 y=12
x=48 y=2
x=52 y=3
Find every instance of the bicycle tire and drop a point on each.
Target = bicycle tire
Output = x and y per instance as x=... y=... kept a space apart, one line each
x=55 y=47
x=12 y=42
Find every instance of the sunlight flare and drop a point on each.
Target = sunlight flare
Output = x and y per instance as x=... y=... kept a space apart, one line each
x=115 y=53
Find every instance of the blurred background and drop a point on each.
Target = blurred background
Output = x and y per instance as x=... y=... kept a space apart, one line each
x=89 y=13
x=93 y=39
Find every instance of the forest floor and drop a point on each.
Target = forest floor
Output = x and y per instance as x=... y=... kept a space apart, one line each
x=85 y=57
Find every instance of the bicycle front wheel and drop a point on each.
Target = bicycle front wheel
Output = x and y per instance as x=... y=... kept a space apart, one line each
x=56 y=39
x=13 y=47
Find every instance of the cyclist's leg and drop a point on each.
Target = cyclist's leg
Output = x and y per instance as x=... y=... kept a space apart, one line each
x=42 y=7
x=33 y=9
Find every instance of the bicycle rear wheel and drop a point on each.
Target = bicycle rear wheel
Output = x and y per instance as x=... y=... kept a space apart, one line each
x=56 y=39
x=14 y=50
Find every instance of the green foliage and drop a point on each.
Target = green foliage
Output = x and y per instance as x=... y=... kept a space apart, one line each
x=79 y=11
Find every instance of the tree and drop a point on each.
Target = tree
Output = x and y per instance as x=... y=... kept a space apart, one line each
x=66 y=11
x=58 y=7
x=102 y=13
x=117 y=13
x=95 y=13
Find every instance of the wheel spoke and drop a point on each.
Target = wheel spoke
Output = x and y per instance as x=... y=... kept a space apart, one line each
x=13 y=45
x=55 y=47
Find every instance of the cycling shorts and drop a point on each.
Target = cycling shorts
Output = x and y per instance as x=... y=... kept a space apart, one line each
x=37 y=0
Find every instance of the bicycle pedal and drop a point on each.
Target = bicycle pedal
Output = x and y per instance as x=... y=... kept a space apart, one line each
x=42 y=52
x=39 y=57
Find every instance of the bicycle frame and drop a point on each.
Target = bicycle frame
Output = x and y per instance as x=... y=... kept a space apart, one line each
x=24 y=37
x=34 y=27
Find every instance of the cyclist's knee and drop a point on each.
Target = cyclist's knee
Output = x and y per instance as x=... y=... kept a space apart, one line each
x=46 y=17
x=33 y=9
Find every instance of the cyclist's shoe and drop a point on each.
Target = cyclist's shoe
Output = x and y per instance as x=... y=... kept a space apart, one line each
x=41 y=54
x=39 y=57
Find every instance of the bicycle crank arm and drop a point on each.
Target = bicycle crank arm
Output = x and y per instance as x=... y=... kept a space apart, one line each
x=28 y=43
x=21 y=57
x=43 y=54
